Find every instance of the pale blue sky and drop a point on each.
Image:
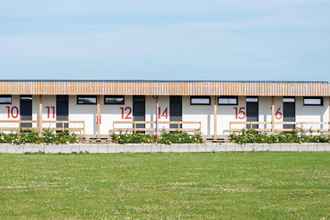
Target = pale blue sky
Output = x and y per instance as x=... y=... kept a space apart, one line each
x=170 y=40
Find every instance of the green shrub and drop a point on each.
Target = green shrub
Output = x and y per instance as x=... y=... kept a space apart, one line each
x=315 y=138
x=253 y=136
x=165 y=138
x=8 y=138
x=22 y=138
x=66 y=138
x=51 y=137
x=133 y=138
x=29 y=137
x=48 y=137
x=179 y=138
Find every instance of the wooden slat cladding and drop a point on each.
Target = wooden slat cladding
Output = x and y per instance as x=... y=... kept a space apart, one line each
x=165 y=88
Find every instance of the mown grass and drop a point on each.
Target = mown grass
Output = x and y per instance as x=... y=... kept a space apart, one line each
x=166 y=186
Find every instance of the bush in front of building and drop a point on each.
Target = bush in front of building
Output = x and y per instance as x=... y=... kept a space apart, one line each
x=47 y=137
x=23 y=138
x=179 y=138
x=164 y=138
x=253 y=136
x=51 y=137
x=315 y=138
x=134 y=138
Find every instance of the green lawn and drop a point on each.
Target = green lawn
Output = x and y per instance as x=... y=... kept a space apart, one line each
x=165 y=186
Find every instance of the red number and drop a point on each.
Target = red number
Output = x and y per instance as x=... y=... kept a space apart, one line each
x=98 y=119
x=8 y=111
x=240 y=113
x=126 y=112
x=50 y=112
x=54 y=112
x=12 y=112
x=278 y=114
x=162 y=114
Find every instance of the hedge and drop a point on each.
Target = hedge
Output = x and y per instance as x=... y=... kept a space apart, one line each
x=133 y=138
x=253 y=136
x=179 y=138
x=51 y=137
x=47 y=137
x=164 y=138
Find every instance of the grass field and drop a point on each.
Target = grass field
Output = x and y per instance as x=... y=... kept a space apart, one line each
x=165 y=186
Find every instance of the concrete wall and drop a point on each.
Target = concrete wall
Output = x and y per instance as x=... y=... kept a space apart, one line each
x=159 y=148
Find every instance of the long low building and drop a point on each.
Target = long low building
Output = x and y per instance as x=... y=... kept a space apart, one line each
x=214 y=108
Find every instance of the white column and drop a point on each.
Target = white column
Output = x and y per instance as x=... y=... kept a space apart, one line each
x=39 y=115
x=215 y=118
x=98 y=115
x=273 y=113
x=156 y=116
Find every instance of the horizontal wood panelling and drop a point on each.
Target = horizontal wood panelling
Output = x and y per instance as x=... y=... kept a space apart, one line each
x=165 y=88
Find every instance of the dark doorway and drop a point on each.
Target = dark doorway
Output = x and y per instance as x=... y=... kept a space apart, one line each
x=139 y=110
x=289 y=112
x=252 y=112
x=62 y=111
x=175 y=110
x=26 y=111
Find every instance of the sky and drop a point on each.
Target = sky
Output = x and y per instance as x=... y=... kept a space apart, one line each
x=165 y=40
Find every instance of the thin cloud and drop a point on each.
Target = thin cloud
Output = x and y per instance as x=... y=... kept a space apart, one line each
x=169 y=39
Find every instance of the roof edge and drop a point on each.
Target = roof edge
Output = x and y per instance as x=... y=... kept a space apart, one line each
x=162 y=81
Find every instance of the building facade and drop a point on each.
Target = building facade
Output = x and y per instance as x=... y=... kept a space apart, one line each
x=213 y=108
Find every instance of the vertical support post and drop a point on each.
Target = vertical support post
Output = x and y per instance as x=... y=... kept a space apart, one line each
x=39 y=116
x=98 y=115
x=215 y=120
x=157 y=113
x=329 y=115
x=19 y=118
x=273 y=113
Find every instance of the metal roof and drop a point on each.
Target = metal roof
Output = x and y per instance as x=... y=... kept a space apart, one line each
x=165 y=87
x=163 y=81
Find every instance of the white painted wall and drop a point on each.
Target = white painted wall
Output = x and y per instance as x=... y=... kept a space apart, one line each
x=164 y=105
x=86 y=113
x=150 y=111
x=35 y=108
x=4 y=114
x=199 y=113
x=111 y=113
x=278 y=101
x=196 y=113
x=312 y=113
x=265 y=112
x=48 y=102
x=227 y=114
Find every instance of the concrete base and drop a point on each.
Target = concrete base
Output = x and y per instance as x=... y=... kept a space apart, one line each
x=157 y=148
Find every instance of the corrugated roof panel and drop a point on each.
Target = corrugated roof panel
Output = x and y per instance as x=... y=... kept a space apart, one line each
x=248 y=88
